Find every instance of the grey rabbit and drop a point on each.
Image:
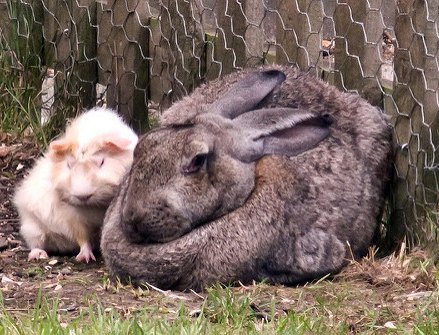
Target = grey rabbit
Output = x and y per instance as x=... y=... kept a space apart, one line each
x=267 y=174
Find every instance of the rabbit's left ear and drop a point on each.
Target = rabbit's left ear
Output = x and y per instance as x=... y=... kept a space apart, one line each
x=281 y=131
x=247 y=93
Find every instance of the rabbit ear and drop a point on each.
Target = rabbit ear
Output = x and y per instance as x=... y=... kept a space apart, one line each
x=247 y=93
x=282 y=131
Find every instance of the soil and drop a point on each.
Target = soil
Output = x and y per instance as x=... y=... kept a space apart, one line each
x=398 y=283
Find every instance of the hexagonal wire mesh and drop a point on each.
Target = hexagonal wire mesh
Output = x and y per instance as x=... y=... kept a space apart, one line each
x=139 y=56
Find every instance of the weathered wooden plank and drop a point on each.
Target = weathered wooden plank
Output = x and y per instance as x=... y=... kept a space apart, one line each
x=70 y=49
x=241 y=36
x=255 y=37
x=415 y=95
x=5 y=20
x=358 y=49
x=229 y=49
x=21 y=29
x=299 y=32
x=182 y=46
x=212 y=67
x=123 y=64
x=85 y=51
x=160 y=79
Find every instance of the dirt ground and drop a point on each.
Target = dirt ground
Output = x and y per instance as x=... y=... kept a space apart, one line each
x=400 y=285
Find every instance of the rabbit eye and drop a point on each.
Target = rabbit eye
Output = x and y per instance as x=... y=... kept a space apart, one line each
x=102 y=162
x=196 y=164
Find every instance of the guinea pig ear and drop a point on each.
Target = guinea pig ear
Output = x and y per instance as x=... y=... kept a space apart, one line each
x=116 y=144
x=281 y=131
x=60 y=147
x=247 y=93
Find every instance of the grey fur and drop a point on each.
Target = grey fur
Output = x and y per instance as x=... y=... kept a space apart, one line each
x=256 y=207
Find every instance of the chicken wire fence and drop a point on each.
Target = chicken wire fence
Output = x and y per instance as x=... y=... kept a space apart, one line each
x=139 y=56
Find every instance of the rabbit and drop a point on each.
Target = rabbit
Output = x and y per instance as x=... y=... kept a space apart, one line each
x=62 y=201
x=267 y=174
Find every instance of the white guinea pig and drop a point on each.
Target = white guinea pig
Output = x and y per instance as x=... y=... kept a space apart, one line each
x=62 y=201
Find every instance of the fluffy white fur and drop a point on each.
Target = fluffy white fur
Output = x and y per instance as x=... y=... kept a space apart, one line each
x=62 y=201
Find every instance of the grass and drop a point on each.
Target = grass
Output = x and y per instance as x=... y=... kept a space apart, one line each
x=21 y=75
x=24 y=64
x=224 y=311
x=395 y=295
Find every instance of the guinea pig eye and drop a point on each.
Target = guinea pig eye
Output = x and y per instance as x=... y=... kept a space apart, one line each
x=98 y=160
x=70 y=162
x=196 y=164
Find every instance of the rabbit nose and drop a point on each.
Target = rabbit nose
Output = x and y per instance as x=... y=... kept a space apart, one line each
x=131 y=222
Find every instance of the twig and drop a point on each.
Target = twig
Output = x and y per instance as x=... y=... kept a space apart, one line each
x=16 y=309
x=197 y=294
x=166 y=293
x=155 y=288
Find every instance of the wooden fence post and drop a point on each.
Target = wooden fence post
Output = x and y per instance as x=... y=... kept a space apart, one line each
x=5 y=20
x=21 y=28
x=19 y=21
x=180 y=48
x=416 y=122
x=160 y=80
x=254 y=33
x=123 y=59
x=359 y=28
x=70 y=48
x=299 y=33
x=228 y=45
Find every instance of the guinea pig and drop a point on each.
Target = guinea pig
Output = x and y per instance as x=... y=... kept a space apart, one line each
x=62 y=201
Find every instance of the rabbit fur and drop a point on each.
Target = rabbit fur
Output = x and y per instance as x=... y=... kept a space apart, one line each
x=62 y=201
x=268 y=174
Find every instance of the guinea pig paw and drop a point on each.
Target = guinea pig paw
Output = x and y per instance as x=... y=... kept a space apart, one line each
x=85 y=253
x=36 y=254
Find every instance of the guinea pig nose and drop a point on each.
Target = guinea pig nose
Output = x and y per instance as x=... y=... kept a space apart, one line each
x=83 y=197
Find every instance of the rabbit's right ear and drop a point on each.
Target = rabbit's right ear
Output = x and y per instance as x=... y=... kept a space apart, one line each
x=281 y=131
x=247 y=93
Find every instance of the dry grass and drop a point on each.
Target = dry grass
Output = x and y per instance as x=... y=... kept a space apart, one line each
x=395 y=294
